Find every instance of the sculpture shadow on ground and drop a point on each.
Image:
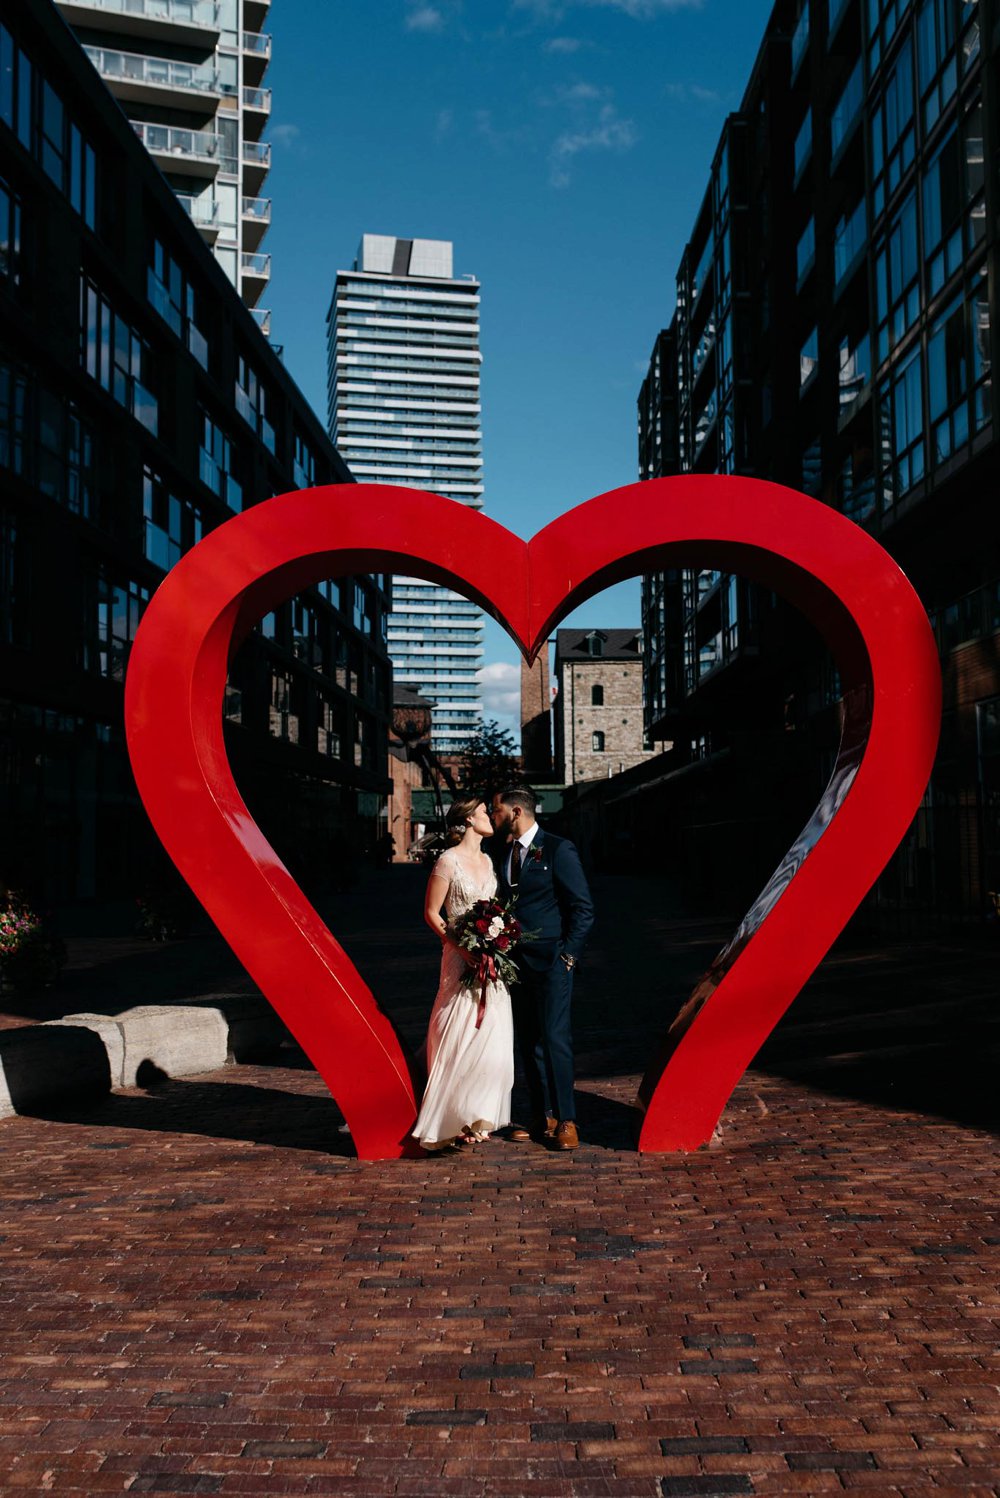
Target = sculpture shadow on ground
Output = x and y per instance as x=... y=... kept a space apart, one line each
x=216 y=1110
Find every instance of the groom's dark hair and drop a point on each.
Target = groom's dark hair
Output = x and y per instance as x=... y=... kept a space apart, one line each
x=520 y=795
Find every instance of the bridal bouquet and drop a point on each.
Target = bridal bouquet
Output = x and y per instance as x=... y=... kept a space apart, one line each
x=490 y=932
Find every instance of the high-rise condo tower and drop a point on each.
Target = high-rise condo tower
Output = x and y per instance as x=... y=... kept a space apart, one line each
x=403 y=390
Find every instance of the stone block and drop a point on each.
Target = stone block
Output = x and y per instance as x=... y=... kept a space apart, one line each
x=43 y=1064
x=172 y=1040
x=255 y=1031
x=110 y=1031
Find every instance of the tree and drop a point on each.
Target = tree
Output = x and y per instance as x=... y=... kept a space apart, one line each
x=489 y=761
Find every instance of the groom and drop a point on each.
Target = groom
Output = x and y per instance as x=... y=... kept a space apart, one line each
x=554 y=906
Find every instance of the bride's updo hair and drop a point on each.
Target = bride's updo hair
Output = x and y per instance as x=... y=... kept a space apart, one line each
x=459 y=813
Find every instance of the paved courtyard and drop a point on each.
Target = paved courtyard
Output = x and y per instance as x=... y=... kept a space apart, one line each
x=202 y=1292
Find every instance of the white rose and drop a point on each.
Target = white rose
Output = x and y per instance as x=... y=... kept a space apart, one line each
x=496 y=927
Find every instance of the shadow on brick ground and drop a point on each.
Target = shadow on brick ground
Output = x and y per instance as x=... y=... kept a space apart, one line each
x=907 y=1025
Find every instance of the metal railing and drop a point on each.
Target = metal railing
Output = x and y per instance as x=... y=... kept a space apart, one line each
x=262 y=317
x=255 y=264
x=257 y=208
x=257 y=42
x=188 y=12
x=257 y=152
x=168 y=140
x=205 y=215
x=159 y=72
x=257 y=98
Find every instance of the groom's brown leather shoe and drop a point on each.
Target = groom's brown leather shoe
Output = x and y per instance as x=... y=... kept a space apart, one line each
x=565 y=1136
x=538 y=1131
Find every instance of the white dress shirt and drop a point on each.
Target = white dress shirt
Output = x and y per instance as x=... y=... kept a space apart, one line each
x=526 y=839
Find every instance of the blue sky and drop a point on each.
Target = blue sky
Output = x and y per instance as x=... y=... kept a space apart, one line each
x=564 y=147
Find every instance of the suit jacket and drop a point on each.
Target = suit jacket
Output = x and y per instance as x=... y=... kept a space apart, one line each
x=553 y=900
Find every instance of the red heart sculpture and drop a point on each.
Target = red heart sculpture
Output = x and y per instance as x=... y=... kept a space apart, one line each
x=833 y=571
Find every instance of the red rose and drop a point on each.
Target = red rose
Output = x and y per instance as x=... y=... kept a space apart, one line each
x=503 y=943
x=482 y=926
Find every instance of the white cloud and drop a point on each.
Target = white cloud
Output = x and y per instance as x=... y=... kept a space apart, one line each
x=564 y=45
x=581 y=93
x=425 y=18
x=500 y=683
x=285 y=135
x=610 y=133
x=695 y=91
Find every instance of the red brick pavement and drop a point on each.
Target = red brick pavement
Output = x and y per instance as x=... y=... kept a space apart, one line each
x=202 y=1294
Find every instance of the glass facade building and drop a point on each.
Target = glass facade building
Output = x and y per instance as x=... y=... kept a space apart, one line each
x=403 y=390
x=190 y=76
x=833 y=331
x=140 y=408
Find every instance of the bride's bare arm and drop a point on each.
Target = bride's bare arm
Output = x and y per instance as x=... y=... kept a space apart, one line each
x=437 y=889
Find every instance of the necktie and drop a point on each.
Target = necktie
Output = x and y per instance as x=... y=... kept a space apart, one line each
x=515 y=865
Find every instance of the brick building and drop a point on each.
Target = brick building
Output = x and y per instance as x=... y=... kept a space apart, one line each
x=598 y=711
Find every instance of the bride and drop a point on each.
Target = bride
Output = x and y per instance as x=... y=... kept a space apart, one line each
x=470 y=1072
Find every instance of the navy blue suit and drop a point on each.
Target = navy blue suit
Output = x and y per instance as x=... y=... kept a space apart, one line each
x=554 y=906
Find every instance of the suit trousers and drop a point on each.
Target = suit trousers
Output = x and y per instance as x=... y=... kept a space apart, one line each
x=543 y=1027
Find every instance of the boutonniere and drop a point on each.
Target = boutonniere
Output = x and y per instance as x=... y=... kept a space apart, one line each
x=536 y=853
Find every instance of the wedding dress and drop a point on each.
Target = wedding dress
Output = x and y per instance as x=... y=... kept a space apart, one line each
x=470 y=1072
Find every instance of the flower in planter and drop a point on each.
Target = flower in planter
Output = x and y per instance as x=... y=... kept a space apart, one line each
x=30 y=958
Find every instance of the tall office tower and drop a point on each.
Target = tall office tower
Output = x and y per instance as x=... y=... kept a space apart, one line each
x=403 y=390
x=189 y=73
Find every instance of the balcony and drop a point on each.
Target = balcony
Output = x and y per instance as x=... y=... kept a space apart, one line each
x=203 y=214
x=258 y=99
x=191 y=23
x=256 y=48
x=262 y=317
x=256 y=272
x=256 y=215
x=256 y=164
x=159 y=80
x=189 y=153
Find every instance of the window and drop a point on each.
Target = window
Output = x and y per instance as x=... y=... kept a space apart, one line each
x=943 y=203
x=897 y=287
x=285 y=711
x=594 y=642
x=597 y=695
x=303 y=463
x=948 y=382
x=10 y=235
x=30 y=106
x=884 y=17
x=116 y=356
x=171 y=525
x=308 y=632
x=66 y=468
x=812 y=468
x=892 y=135
x=13 y=399
x=112 y=625
x=597 y=742
x=363 y=612
x=937 y=62
x=803 y=145
x=979 y=316
x=170 y=292
x=849 y=240
x=901 y=430
x=329 y=728
x=800 y=38
x=252 y=402
x=805 y=253
x=216 y=464
x=846 y=111
x=855 y=369
x=808 y=359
